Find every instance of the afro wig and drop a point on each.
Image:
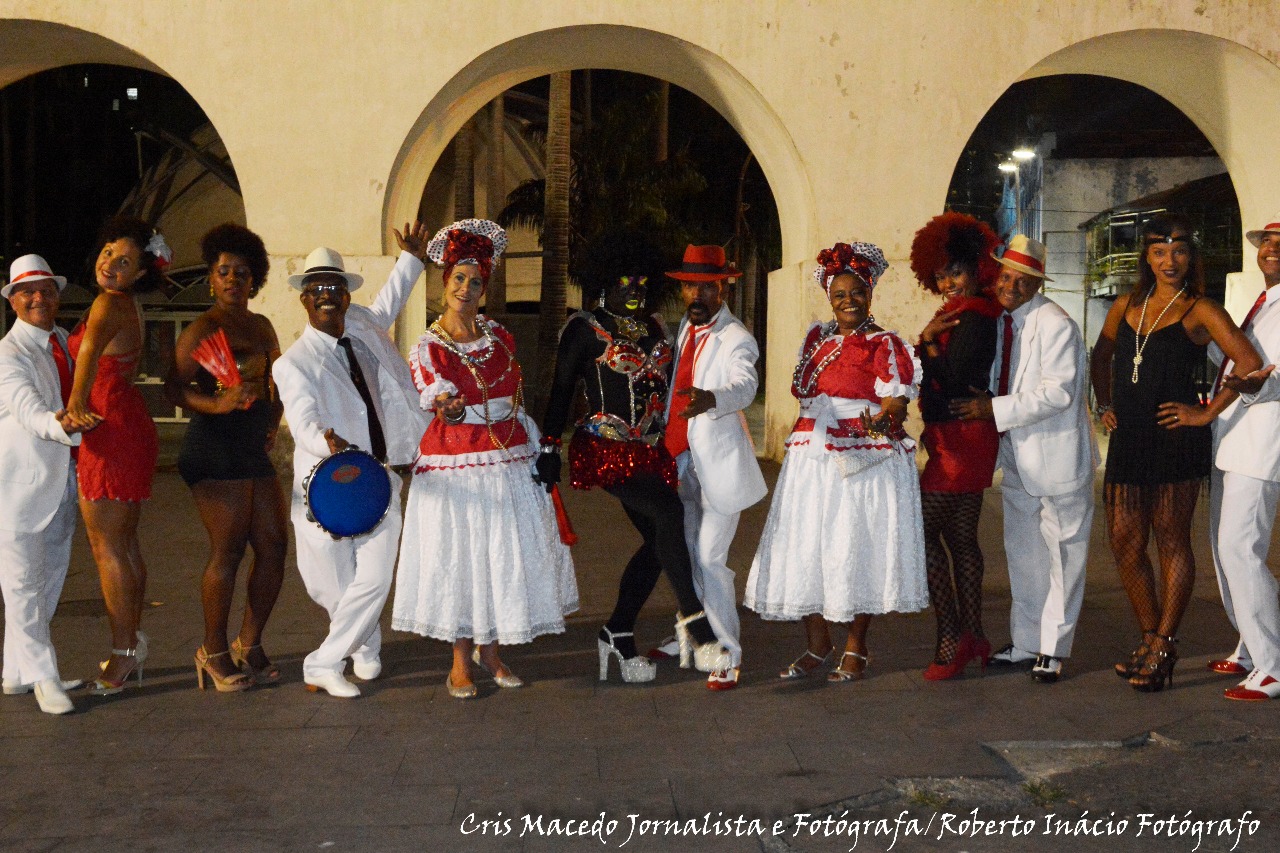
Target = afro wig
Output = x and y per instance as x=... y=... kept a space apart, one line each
x=954 y=238
x=617 y=253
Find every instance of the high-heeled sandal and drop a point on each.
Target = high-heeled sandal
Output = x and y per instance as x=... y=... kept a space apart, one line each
x=508 y=680
x=840 y=675
x=795 y=670
x=141 y=646
x=1127 y=669
x=107 y=687
x=1156 y=669
x=636 y=670
x=705 y=657
x=269 y=674
x=236 y=682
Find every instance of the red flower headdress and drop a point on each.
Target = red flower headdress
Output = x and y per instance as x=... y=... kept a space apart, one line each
x=471 y=241
x=864 y=260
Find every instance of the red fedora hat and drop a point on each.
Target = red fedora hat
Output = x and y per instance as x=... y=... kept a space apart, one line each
x=704 y=263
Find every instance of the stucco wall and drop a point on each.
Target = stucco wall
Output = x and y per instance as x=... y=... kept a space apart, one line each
x=334 y=111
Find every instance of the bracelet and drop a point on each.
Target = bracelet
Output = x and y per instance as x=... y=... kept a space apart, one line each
x=462 y=416
x=1101 y=410
x=550 y=444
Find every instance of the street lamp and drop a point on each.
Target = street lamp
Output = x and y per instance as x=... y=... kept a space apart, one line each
x=1024 y=153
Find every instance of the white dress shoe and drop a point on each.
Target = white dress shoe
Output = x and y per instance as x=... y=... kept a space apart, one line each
x=332 y=683
x=366 y=671
x=52 y=698
x=14 y=688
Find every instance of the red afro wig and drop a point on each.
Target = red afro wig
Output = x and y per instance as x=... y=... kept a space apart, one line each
x=954 y=238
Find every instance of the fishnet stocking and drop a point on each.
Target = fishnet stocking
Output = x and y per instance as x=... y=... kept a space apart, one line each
x=955 y=571
x=1133 y=512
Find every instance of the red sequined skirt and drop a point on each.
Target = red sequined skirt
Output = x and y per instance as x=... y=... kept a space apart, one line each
x=596 y=461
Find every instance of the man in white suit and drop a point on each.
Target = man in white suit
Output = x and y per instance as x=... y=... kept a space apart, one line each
x=1048 y=454
x=37 y=480
x=327 y=412
x=1245 y=491
x=714 y=380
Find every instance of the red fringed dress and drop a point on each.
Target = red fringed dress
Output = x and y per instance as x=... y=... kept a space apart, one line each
x=480 y=555
x=844 y=536
x=117 y=458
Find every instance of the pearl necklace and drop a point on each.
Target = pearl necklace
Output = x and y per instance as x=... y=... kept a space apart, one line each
x=1142 y=319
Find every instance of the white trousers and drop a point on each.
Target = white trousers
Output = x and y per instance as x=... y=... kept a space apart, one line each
x=33 y=567
x=350 y=578
x=1046 y=542
x=709 y=534
x=1242 y=511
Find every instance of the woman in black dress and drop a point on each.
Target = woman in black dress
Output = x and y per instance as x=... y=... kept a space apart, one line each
x=1144 y=368
x=224 y=459
x=623 y=356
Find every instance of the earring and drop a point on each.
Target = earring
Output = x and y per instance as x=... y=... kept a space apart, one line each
x=600 y=301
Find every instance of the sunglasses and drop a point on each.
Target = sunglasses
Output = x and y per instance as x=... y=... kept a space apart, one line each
x=318 y=289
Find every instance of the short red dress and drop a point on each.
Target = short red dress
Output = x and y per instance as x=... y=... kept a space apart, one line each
x=117 y=458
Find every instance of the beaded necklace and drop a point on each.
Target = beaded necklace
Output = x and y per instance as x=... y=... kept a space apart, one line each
x=627 y=325
x=1141 y=341
x=472 y=365
x=806 y=389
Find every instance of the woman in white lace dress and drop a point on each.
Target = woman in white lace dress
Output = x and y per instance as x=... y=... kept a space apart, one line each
x=481 y=562
x=843 y=539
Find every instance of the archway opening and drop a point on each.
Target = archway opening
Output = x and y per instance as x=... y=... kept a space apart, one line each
x=1080 y=162
x=82 y=142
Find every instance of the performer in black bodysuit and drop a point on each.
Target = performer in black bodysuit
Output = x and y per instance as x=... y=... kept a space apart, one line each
x=623 y=357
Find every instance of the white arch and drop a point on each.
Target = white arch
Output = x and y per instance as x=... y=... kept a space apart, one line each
x=621 y=48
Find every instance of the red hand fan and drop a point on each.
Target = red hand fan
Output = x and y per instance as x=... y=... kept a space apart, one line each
x=214 y=355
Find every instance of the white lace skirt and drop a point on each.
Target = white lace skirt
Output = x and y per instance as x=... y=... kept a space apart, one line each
x=840 y=546
x=481 y=557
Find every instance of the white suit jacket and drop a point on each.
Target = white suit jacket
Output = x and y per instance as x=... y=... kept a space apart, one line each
x=1044 y=416
x=35 y=452
x=719 y=442
x=1247 y=433
x=318 y=394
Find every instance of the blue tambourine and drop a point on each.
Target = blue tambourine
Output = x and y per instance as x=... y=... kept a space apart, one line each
x=348 y=493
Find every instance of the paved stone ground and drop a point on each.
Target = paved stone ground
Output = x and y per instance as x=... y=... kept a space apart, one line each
x=408 y=768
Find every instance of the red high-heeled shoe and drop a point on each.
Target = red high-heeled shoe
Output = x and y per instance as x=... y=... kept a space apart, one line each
x=946 y=671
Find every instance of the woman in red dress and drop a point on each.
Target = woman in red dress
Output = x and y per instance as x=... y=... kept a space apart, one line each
x=951 y=256
x=117 y=460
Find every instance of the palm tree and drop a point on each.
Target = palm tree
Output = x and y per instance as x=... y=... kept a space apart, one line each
x=555 y=235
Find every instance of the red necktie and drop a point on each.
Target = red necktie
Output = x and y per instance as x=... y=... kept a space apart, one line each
x=64 y=368
x=677 y=436
x=1248 y=318
x=1006 y=355
x=64 y=376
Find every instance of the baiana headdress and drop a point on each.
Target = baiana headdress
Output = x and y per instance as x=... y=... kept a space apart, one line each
x=954 y=238
x=864 y=260
x=468 y=241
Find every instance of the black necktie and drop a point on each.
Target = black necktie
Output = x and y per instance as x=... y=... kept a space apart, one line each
x=379 y=448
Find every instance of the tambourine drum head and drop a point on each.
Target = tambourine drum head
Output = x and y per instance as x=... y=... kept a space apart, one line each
x=348 y=493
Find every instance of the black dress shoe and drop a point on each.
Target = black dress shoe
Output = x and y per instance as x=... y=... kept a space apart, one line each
x=1047 y=669
x=1011 y=655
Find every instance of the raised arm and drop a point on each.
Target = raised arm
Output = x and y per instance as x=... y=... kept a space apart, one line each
x=1211 y=322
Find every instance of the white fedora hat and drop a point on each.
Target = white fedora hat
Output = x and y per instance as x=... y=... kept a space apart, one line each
x=1255 y=237
x=30 y=268
x=1024 y=255
x=328 y=261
